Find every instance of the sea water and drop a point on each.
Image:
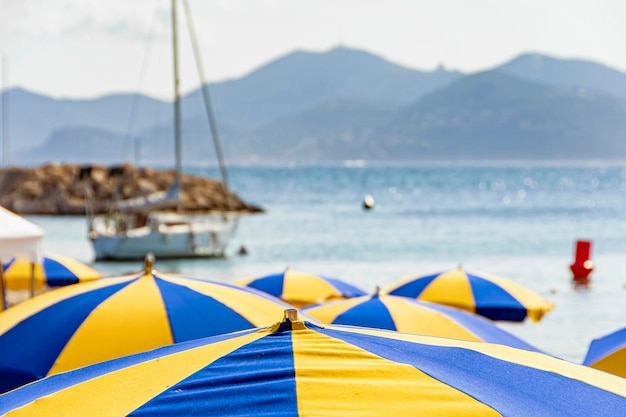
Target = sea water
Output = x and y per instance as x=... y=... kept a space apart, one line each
x=516 y=220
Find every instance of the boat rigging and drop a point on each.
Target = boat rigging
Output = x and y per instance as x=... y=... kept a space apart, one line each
x=159 y=223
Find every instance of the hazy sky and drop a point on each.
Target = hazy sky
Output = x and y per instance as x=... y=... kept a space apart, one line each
x=87 y=48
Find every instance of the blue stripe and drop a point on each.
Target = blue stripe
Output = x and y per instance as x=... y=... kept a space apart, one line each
x=494 y=302
x=30 y=348
x=509 y=388
x=193 y=315
x=270 y=284
x=370 y=313
x=259 y=379
x=414 y=288
x=256 y=380
x=60 y=382
x=346 y=289
x=57 y=274
x=481 y=327
x=246 y=288
x=606 y=345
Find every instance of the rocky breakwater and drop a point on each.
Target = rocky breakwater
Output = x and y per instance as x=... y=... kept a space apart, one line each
x=61 y=189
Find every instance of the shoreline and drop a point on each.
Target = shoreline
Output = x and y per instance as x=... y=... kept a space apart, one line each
x=53 y=189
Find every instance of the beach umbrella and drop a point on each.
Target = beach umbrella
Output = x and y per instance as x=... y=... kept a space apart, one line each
x=608 y=353
x=405 y=315
x=21 y=275
x=488 y=295
x=18 y=236
x=301 y=288
x=298 y=368
x=82 y=324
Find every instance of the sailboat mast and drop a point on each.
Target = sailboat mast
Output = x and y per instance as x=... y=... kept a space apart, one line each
x=207 y=100
x=5 y=113
x=177 y=127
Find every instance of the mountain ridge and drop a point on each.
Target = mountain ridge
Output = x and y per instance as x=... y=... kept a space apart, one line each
x=347 y=104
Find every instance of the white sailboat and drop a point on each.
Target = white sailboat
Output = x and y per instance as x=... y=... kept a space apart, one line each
x=157 y=223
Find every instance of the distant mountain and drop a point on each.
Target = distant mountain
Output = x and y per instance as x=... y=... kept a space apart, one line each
x=295 y=83
x=568 y=73
x=488 y=115
x=332 y=131
x=344 y=104
x=34 y=117
x=79 y=144
x=301 y=81
x=492 y=115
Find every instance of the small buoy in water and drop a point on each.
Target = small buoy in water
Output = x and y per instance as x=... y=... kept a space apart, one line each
x=368 y=202
x=242 y=250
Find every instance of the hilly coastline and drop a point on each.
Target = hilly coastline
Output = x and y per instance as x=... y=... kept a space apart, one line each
x=343 y=104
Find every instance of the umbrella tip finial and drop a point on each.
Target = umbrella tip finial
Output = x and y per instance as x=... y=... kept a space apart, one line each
x=377 y=291
x=290 y=322
x=148 y=263
x=291 y=315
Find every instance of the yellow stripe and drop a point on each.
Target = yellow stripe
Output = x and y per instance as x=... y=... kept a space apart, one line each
x=82 y=271
x=19 y=312
x=245 y=281
x=301 y=289
x=408 y=317
x=440 y=291
x=258 y=310
x=536 y=305
x=399 y=283
x=417 y=319
x=132 y=320
x=335 y=378
x=528 y=358
x=18 y=276
x=119 y=393
x=327 y=313
x=614 y=363
x=450 y=288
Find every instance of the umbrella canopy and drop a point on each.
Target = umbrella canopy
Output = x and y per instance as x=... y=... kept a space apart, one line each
x=301 y=288
x=488 y=295
x=52 y=271
x=18 y=235
x=608 y=353
x=405 y=315
x=83 y=324
x=297 y=368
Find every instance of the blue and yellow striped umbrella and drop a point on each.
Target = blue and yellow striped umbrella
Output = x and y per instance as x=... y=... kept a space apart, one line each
x=608 y=353
x=82 y=324
x=297 y=368
x=301 y=288
x=52 y=271
x=488 y=295
x=405 y=315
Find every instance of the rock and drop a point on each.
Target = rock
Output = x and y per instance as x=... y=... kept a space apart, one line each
x=31 y=189
x=58 y=189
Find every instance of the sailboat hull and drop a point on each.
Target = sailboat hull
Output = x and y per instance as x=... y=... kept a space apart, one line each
x=191 y=238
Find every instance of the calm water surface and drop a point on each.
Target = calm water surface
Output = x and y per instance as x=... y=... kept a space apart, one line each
x=518 y=221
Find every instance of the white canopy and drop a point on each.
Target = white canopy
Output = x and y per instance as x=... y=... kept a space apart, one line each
x=19 y=236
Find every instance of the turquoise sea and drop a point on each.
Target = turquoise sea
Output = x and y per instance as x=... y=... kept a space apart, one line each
x=517 y=220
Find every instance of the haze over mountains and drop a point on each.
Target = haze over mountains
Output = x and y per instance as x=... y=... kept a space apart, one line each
x=340 y=105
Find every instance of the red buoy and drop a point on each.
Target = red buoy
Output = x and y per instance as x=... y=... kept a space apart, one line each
x=582 y=266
